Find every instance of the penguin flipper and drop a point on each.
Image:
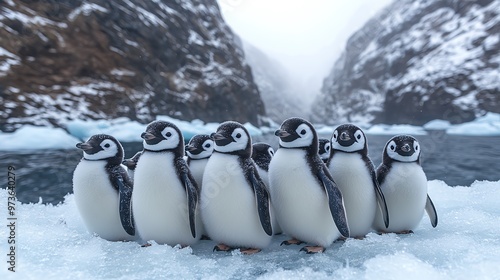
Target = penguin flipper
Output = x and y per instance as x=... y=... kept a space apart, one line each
x=380 y=198
x=125 y=206
x=431 y=211
x=262 y=200
x=335 y=201
x=192 y=197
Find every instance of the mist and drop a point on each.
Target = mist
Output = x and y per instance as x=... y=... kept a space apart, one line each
x=305 y=36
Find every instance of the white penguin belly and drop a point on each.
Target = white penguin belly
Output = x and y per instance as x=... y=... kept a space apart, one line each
x=405 y=192
x=353 y=178
x=228 y=205
x=197 y=167
x=97 y=201
x=299 y=200
x=159 y=202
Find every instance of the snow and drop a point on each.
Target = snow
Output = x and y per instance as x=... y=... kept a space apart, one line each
x=53 y=242
x=86 y=9
x=126 y=130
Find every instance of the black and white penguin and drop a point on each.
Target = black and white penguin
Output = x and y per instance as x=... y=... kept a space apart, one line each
x=165 y=197
x=131 y=163
x=103 y=189
x=308 y=204
x=235 y=205
x=404 y=185
x=324 y=149
x=262 y=153
x=198 y=151
x=354 y=173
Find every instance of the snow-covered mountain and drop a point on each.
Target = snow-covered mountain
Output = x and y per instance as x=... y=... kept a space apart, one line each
x=97 y=59
x=416 y=61
x=280 y=98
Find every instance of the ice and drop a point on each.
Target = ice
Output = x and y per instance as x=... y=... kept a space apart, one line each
x=52 y=242
x=384 y=129
x=487 y=125
x=31 y=137
x=437 y=125
x=126 y=130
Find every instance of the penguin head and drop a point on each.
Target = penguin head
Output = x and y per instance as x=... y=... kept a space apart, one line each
x=262 y=153
x=232 y=137
x=102 y=147
x=131 y=163
x=324 y=148
x=163 y=135
x=298 y=133
x=200 y=146
x=349 y=138
x=403 y=148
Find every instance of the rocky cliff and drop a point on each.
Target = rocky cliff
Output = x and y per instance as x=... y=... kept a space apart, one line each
x=416 y=61
x=92 y=59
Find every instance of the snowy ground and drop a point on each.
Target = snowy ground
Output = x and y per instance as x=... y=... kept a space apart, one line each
x=30 y=137
x=52 y=243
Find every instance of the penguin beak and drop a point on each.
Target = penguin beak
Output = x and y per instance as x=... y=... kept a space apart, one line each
x=217 y=137
x=84 y=146
x=406 y=148
x=147 y=136
x=344 y=136
x=192 y=149
x=221 y=140
x=281 y=133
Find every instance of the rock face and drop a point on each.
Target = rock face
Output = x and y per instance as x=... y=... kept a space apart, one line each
x=76 y=59
x=416 y=61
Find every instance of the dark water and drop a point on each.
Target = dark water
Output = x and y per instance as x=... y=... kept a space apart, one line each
x=457 y=160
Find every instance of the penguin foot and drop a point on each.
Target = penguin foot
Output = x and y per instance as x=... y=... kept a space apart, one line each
x=222 y=248
x=313 y=249
x=205 y=237
x=249 y=251
x=145 y=245
x=406 y=232
x=291 y=242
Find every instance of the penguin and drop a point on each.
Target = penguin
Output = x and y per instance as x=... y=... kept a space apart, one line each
x=262 y=153
x=309 y=206
x=404 y=185
x=235 y=206
x=131 y=163
x=354 y=173
x=165 y=197
x=324 y=149
x=198 y=151
x=103 y=190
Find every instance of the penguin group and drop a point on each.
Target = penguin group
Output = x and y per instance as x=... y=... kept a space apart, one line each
x=239 y=194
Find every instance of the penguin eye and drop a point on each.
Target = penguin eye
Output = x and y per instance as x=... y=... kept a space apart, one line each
x=238 y=135
x=107 y=146
x=271 y=152
x=392 y=147
x=327 y=148
x=359 y=136
x=416 y=148
x=168 y=134
x=207 y=145
x=303 y=132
